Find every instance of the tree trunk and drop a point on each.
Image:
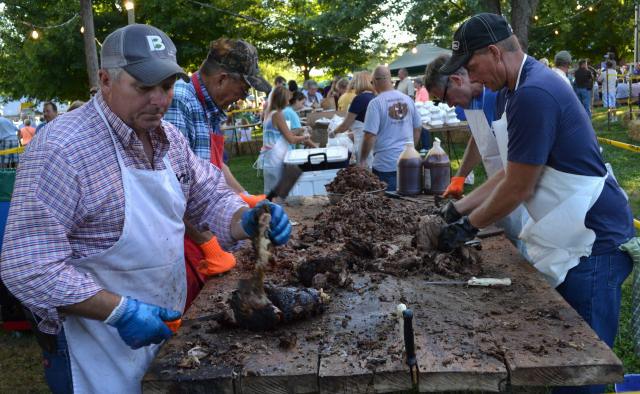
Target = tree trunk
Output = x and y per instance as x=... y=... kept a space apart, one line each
x=90 y=53
x=305 y=71
x=492 y=6
x=521 y=13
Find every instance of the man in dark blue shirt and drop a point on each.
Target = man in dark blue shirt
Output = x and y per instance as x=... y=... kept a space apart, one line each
x=579 y=214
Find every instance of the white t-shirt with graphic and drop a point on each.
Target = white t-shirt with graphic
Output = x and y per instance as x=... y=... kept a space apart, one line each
x=610 y=84
x=391 y=116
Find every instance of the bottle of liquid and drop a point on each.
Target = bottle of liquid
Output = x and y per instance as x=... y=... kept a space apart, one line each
x=409 y=171
x=437 y=170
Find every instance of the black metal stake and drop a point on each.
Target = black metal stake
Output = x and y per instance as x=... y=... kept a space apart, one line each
x=409 y=345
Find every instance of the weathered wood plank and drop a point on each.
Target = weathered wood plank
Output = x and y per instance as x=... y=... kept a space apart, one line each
x=363 y=347
x=454 y=353
x=270 y=368
x=545 y=342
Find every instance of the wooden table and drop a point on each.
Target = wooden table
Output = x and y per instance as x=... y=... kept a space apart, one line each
x=235 y=129
x=455 y=133
x=465 y=337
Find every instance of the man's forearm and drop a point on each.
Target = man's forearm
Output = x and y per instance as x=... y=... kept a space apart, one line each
x=517 y=184
x=416 y=135
x=237 y=232
x=500 y=203
x=474 y=199
x=367 y=145
x=231 y=180
x=98 y=307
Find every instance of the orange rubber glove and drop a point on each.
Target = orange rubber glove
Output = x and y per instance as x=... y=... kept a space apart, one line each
x=455 y=188
x=252 y=200
x=216 y=260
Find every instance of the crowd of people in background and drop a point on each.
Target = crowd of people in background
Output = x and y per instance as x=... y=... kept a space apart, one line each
x=607 y=83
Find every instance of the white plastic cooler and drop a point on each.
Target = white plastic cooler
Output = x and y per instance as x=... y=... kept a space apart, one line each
x=319 y=166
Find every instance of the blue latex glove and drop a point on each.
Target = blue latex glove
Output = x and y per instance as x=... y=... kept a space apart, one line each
x=456 y=234
x=142 y=324
x=280 y=228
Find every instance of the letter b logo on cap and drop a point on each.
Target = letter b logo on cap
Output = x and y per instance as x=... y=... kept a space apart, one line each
x=155 y=43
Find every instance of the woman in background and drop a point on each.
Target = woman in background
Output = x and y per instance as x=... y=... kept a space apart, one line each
x=345 y=100
x=363 y=87
x=277 y=138
x=296 y=103
x=293 y=86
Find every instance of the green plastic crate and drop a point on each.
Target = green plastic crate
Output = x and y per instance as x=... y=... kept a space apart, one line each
x=7 y=180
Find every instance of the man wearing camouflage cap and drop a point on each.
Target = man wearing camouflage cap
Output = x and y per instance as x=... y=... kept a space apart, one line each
x=94 y=240
x=197 y=110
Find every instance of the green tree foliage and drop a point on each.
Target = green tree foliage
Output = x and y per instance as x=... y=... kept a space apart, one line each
x=323 y=33
x=580 y=31
x=585 y=34
x=53 y=66
x=436 y=21
x=42 y=67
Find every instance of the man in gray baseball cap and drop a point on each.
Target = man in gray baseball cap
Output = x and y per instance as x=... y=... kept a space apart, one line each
x=105 y=189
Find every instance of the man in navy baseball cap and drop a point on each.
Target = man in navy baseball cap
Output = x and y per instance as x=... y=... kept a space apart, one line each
x=579 y=215
x=477 y=32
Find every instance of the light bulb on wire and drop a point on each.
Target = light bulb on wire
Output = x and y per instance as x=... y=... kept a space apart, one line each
x=82 y=29
x=35 y=35
x=128 y=5
x=590 y=8
x=557 y=32
x=535 y=17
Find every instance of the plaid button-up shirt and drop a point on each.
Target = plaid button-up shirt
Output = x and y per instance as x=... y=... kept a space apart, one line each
x=68 y=203
x=188 y=115
x=8 y=140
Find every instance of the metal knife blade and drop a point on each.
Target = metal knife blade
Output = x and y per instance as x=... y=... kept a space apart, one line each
x=174 y=325
x=474 y=282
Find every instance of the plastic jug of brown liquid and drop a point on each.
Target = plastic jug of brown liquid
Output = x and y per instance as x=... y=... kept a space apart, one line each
x=409 y=171
x=437 y=170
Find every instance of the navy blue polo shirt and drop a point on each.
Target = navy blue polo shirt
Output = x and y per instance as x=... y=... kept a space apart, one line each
x=487 y=102
x=547 y=125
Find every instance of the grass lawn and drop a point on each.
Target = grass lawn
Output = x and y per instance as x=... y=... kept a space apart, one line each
x=249 y=178
x=20 y=359
x=626 y=167
x=20 y=364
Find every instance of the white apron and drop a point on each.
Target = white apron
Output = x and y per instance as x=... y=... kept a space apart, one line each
x=146 y=263
x=358 y=136
x=271 y=158
x=555 y=234
x=488 y=147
